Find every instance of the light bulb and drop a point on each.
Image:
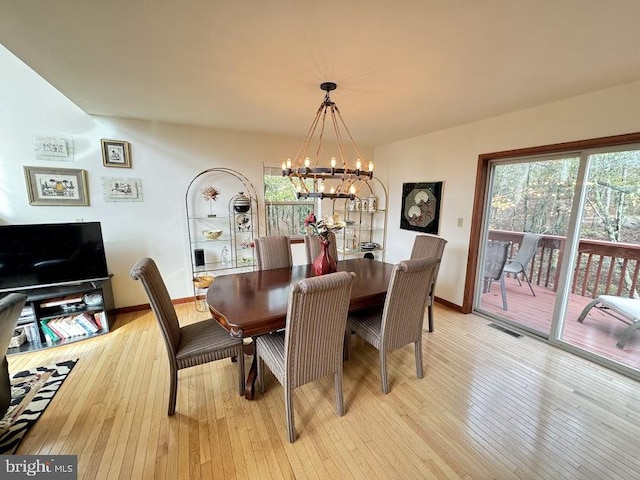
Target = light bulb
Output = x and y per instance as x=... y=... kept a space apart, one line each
x=288 y=163
x=332 y=190
x=371 y=166
x=307 y=162
x=333 y=162
x=321 y=186
x=358 y=164
x=352 y=189
x=284 y=165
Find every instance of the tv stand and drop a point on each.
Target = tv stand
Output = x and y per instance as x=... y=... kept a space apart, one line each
x=62 y=314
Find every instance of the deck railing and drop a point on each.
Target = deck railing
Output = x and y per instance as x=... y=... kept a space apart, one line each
x=601 y=268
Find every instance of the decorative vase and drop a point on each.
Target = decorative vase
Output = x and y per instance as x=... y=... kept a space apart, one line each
x=241 y=203
x=324 y=263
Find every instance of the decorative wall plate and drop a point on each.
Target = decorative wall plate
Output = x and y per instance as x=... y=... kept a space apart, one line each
x=243 y=222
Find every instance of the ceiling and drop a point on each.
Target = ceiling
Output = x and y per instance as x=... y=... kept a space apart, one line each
x=403 y=68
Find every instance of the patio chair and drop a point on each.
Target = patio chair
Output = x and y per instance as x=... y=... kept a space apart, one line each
x=625 y=309
x=526 y=252
x=496 y=256
x=429 y=246
x=273 y=252
x=311 y=345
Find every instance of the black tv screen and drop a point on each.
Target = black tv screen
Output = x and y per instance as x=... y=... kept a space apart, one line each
x=50 y=254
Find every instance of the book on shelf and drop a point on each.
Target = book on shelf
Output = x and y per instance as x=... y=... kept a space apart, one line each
x=101 y=319
x=49 y=335
x=58 y=301
x=86 y=321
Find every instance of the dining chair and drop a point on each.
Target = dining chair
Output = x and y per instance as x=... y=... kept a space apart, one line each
x=311 y=345
x=401 y=319
x=526 y=251
x=312 y=247
x=190 y=345
x=429 y=246
x=496 y=255
x=273 y=252
x=10 y=309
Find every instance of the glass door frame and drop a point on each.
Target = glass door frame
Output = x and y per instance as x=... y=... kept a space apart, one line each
x=584 y=148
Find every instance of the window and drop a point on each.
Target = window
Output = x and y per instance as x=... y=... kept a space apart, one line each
x=285 y=213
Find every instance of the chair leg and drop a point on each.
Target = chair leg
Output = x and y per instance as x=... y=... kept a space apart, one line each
x=418 y=349
x=260 y=368
x=173 y=391
x=626 y=334
x=430 y=317
x=383 y=371
x=288 y=406
x=528 y=283
x=503 y=290
x=240 y=360
x=339 y=393
x=586 y=309
x=346 y=352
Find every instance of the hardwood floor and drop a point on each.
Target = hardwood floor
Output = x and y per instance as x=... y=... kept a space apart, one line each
x=490 y=406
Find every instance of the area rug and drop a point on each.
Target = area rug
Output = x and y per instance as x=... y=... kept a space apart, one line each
x=31 y=393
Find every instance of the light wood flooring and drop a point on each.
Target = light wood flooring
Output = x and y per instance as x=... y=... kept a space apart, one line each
x=490 y=406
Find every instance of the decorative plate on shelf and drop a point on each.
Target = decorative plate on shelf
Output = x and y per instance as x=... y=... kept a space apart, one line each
x=243 y=222
x=369 y=246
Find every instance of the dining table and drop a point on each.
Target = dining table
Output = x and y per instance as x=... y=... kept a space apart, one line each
x=251 y=304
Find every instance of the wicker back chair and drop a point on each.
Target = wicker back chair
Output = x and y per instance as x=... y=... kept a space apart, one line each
x=429 y=246
x=312 y=247
x=193 y=344
x=10 y=309
x=401 y=319
x=312 y=344
x=273 y=252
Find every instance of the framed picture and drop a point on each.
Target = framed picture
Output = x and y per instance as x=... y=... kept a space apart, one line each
x=122 y=189
x=116 y=153
x=421 y=206
x=56 y=186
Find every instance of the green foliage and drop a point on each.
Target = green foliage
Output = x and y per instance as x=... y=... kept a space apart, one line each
x=537 y=196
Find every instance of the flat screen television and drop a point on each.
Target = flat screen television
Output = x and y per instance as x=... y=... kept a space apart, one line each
x=50 y=254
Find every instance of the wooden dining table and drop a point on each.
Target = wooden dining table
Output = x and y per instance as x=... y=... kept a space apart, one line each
x=255 y=303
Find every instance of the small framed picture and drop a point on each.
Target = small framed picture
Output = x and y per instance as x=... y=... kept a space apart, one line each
x=116 y=153
x=56 y=186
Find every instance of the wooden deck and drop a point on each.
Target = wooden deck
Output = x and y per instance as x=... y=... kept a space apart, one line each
x=598 y=334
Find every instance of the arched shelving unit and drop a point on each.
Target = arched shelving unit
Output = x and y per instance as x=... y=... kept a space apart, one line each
x=221 y=223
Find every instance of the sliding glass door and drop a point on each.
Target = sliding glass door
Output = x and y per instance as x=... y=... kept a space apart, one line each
x=529 y=206
x=583 y=212
x=607 y=260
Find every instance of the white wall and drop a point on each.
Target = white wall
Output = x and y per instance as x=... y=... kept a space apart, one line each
x=452 y=156
x=165 y=156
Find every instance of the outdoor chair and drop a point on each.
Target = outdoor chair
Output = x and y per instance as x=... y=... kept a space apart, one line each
x=401 y=319
x=10 y=309
x=625 y=309
x=313 y=247
x=273 y=252
x=312 y=344
x=496 y=256
x=429 y=246
x=526 y=252
x=194 y=344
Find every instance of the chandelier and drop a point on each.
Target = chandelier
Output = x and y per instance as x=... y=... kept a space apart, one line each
x=341 y=180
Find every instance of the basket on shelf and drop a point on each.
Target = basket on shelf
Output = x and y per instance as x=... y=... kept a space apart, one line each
x=17 y=339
